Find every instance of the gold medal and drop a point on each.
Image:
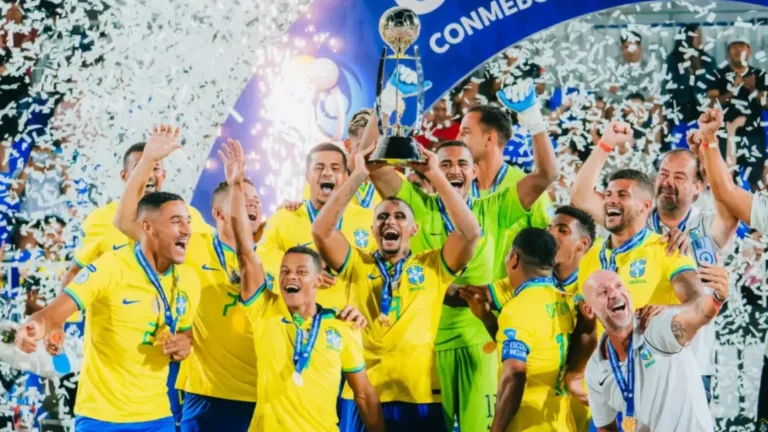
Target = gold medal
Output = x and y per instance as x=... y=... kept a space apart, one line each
x=629 y=424
x=489 y=347
x=162 y=337
x=384 y=320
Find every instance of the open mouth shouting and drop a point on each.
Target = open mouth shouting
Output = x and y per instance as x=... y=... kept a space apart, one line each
x=613 y=214
x=253 y=215
x=390 y=238
x=326 y=187
x=292 y=289
x=150 y=187
x=457 y=183
x=180 y=245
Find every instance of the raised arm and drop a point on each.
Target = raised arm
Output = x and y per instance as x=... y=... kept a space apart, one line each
x=736 y=200
x=521 y=98
x=385 y=179
x=688 y=287
x=704 y=309
x=583 y=193
x=252 y=275
x=164 y=141
x=330 y=242
x=460 y=245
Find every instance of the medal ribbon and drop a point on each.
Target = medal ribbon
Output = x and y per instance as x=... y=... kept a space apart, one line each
x=610 y=264
x=313 y=214
x=219 y=249
x=449 y=227
x=535 y=282
x=626 y=384
x=567 y=281
x=366 y=197
x=656 y=221
x=496 y=181
x=170 y=321
x=386 y=286
x=301 y=351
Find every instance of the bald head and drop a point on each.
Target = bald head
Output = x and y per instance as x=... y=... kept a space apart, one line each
x=608 y=299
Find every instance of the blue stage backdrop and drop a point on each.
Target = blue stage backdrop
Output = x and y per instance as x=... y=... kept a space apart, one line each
x=337 y=44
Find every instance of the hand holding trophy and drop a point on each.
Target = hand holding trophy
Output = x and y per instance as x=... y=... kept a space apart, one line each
x=399 y=27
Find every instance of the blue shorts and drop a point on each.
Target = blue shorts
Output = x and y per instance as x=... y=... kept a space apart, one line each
x=398 y=416
x=206 y=413
x=86 y=424
x=175 y=397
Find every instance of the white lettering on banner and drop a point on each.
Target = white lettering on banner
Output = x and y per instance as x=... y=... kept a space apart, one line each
x=524 y=4
x=508 y=6
x=459 y=33
x=470 y=24
x=493 y=15
x=454 y=33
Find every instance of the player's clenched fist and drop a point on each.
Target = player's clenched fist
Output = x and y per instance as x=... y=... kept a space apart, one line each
x=616 y=133
x=710 y=122
x=694 y=141
x=28 y=336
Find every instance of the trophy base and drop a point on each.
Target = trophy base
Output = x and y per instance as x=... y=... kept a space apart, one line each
x=397 y=151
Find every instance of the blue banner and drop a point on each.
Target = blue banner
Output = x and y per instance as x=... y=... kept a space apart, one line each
x=337 y=44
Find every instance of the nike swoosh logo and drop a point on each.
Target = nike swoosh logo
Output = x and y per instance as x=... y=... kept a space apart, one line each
x=205 y=267
x=603 y=380
x=129 y=302
x=118 y=247
x=372 y=277
x=436 y=234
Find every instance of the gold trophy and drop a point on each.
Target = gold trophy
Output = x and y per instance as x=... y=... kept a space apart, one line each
x=399 y=27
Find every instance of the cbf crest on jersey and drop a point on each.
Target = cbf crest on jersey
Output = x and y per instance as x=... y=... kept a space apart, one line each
x=270 y=280
x=182 y=304
x=333 y=339
x=415 y=275
x=637 y=268
x=646 y=357
x=361 y=238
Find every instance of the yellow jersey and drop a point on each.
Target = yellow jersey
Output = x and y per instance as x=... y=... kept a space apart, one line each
x=286 y=229
x=645 y=269
x=100 y=236
x=502 y=293
x=535 y=328
x=283 y=404
x=366 y=196
x=416 y=304
x=123 y=376
x=223 y=363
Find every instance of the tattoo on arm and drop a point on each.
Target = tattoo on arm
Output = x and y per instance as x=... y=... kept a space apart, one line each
x=681 y=334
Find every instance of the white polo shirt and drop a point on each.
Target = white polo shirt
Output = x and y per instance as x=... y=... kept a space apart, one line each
x=669 y=396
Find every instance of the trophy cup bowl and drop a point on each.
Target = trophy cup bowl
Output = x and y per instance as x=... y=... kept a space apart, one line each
x=399 y=28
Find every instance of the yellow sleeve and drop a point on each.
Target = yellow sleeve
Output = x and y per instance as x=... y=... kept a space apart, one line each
x=271 y=239
x=676 y=264
x=261 y=304
x=271 y=260
x=188 y=301
x=198 y=222
x=445 y=275
x=93 y=233
x=501 y=293
x=352 y=359
x=347 y=271
x=91 y=281
x=516 y=335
